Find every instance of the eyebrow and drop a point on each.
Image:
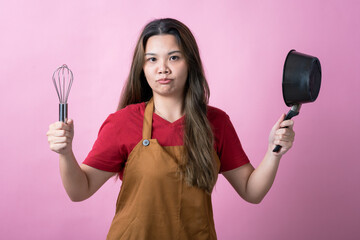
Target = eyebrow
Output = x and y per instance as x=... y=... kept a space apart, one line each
x=172 y=52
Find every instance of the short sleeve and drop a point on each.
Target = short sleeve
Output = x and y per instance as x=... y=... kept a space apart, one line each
x=105 y=154
x=227 y=142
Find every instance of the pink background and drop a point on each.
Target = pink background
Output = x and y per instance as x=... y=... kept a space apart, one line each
x=243 y=46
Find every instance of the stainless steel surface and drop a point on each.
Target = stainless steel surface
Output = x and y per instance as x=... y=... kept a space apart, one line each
x=62 y=79
x=296 y=107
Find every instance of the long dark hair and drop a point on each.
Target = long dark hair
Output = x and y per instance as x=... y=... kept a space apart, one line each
x=200 y=167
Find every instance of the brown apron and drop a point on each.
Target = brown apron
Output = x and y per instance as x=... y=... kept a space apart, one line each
x=154 y=201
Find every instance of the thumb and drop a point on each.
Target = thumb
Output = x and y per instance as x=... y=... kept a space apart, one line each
x=70 y=122
x=279 y=121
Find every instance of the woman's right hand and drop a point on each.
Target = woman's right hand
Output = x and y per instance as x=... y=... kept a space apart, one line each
x=60 y=136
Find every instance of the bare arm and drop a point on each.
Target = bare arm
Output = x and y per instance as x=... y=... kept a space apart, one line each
x=80 y=182
x=253 y=184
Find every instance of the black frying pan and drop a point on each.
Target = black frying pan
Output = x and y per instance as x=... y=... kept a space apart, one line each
x=301 y=82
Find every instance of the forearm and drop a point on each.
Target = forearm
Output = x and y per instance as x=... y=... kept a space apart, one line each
x=262 y=178
x=74 y=179
x=253 y=184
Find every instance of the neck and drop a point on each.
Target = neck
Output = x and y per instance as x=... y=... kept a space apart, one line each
x=169 y=108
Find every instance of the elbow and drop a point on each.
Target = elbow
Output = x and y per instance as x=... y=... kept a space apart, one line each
x=251 y=198
x=76 y=197
x=255 y=200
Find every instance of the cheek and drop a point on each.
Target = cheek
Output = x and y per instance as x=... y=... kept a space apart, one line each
x=147 y=77
x=147 y=73
x=145 y=70
x=181 y=69
x=184 y=73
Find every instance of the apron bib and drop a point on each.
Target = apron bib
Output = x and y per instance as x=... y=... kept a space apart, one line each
x=154 y=201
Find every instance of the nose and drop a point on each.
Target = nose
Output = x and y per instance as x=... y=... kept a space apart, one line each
x=163 y=68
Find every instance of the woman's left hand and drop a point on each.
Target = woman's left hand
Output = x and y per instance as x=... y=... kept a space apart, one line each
x=280 y=135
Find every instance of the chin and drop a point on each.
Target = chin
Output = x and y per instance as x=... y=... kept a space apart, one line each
x=165 y=93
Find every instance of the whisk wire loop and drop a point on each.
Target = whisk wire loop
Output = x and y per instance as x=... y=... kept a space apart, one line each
x=62 y=79
x=70 y=84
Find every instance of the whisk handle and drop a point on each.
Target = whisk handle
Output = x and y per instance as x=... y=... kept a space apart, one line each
x=63 y=111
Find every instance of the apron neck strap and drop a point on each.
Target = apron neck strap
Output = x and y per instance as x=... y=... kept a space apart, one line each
x=147 y=125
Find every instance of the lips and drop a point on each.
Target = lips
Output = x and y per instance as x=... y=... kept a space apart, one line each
x=164 y=80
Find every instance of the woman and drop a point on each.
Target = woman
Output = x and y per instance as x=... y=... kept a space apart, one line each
x=167 y=145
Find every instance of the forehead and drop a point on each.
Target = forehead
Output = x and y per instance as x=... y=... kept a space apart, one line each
x=160 y=43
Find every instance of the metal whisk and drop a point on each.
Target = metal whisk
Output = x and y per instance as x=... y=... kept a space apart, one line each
x=62 y=79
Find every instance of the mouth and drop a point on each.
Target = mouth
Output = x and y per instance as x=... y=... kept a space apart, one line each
x=164 y=80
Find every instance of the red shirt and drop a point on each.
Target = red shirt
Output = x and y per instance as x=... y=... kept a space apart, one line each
x=122 y=131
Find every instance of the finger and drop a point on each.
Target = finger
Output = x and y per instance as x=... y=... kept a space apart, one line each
x=54 y=140
x=287 y=123
x=56 y=125
x=277 y=124
x=49 y=132
x=61 y=125
x=284 y=138
x=69 y=126
x=59 y=133
x=70 y=121
x=284 y=144
x=285 y=131
x=56 y=133
x=62 y=133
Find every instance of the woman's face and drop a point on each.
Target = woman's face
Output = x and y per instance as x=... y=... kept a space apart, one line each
x=165 y=66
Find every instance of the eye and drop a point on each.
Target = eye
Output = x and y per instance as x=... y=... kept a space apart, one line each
x=152 y=59
x=173 y=58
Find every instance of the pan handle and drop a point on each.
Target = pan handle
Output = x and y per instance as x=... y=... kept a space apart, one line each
x=294 y=111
